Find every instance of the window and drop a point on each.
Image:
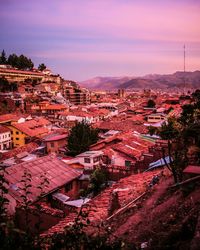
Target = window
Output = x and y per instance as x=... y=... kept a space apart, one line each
x=96 y=159
x=52 y=144
x=17 y=132
x=68 y=187
x=87 y=160
x=11 y=132
x=17 y=139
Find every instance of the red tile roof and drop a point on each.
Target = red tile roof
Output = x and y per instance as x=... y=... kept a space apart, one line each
x=8 y=118
x=127 y=125
x=4 y=129
x=26 y=148
x=33 y=127
x=192 y=170
x=56 y=137
x=56 y=171
x=128 y=189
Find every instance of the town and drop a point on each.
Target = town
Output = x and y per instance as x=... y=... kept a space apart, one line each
x=111 y=165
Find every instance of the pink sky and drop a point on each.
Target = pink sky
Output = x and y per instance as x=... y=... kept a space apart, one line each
x=82 y=38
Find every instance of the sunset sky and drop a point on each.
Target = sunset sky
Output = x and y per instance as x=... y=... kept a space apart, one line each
x=81 y=39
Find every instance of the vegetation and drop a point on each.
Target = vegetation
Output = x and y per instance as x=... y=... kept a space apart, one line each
x=3 y=59
x=81 y=137
x=151 y=103
x=6 y=86
x=42 y=67
x=74 y=237
x=20 y=62
x=98 y=181
x=181 y=134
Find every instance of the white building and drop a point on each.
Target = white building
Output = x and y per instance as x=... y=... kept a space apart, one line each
x=155 y=118
x=90 y=159
x=5 y=138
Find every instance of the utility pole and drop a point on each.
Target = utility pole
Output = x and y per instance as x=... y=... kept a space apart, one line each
x=184 y=58
x=184 y=69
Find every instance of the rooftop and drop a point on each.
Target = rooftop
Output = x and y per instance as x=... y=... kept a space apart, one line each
x=56 y=171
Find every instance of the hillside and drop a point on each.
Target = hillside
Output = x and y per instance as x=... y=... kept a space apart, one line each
x=179 y=80
x=166 y=218
x=104 y=83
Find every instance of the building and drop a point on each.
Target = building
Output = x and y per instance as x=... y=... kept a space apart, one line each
x=22 y=131
x=48 y=110
x=61 y=179
x=56 y=142
x=90 y=159
x=154 y=118
x=15 y=75
x=76 y=95
x=5 y=138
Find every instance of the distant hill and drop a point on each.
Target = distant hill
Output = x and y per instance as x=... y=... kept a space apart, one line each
x=192 y=80
x=105 y=83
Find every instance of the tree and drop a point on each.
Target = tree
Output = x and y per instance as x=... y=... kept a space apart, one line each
x=42 y=67
x=151 y=103
x=20 y=62
x=13 y=60
x=81 y=137
x=3 y=59
x=152 y=130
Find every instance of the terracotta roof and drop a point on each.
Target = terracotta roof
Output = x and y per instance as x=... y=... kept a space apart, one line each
x=192 y=170
x=56 y=171
x=26 y=148
x=54 y=107
x=8 y=118
x=56 y=137
x=127 y=188
x=122 y=126
x=4 y=129
x=33 y=127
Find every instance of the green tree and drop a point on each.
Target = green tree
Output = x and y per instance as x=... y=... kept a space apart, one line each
x=20 y=62
x=97 y=179
x=81 y=137
x=3 y=59
x=42 y=67
x=152 y=130
x=151 y=103
x=13 y=60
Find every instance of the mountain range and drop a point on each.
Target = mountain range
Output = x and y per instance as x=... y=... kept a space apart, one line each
x=178 y=79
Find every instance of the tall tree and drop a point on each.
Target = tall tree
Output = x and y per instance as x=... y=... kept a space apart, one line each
x=81 y=137
x=20 y=62
x=3 y=59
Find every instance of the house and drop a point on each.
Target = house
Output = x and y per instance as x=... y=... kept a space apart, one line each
x=101 y=208
x=90 y=159
x=21 y=131
x=5 y=138
x=60 y=178
x=8 y=118
x=157 y=117
x=54 y=142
